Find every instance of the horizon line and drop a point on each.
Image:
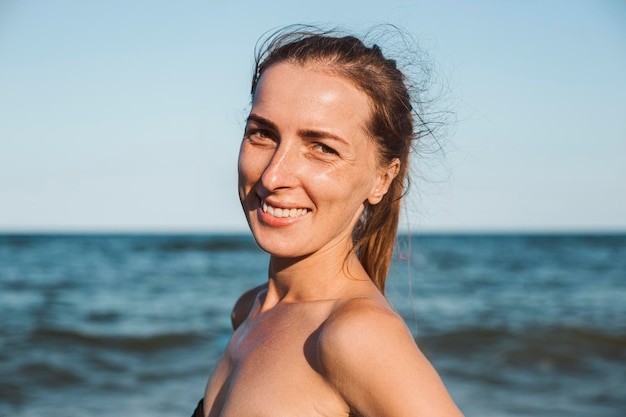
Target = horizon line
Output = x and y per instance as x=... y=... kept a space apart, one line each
x=243 y=232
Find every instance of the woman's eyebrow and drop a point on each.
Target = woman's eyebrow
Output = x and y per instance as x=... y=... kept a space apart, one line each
x=305 y=133
x=261 y=121
x=321 y=134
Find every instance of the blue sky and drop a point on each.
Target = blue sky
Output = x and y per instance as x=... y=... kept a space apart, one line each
x=127 y=116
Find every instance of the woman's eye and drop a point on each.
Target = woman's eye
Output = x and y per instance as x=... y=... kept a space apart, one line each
x=259 y=134
x=325 y=149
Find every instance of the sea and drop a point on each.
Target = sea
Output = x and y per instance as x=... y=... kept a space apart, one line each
x=132 y=325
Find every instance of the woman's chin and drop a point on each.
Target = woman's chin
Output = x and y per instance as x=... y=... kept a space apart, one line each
x=279 y=248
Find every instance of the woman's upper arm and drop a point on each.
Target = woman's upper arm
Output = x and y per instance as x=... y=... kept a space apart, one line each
x=368 y=354
x=243 y=305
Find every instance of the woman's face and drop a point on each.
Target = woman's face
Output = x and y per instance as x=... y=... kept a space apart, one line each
x=306 y=164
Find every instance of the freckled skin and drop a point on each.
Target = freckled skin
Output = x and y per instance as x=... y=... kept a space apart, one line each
x=318 y=339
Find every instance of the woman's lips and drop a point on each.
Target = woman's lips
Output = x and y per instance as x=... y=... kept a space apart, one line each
x=282 y=212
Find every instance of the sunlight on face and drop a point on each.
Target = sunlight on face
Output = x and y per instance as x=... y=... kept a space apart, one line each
x=306 y=165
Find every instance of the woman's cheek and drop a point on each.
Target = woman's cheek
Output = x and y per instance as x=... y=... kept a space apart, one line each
x=245 y=168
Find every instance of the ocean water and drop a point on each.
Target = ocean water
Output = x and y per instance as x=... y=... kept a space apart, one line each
x=132 y=325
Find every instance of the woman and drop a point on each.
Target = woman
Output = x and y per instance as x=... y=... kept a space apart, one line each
x=322 y=168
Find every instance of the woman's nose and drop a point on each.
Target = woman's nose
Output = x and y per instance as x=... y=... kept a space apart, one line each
x=281 y=171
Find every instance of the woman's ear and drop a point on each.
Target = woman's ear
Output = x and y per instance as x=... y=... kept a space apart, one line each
x=385 y=177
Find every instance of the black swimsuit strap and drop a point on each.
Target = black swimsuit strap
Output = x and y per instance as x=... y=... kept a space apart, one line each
x=199 y=411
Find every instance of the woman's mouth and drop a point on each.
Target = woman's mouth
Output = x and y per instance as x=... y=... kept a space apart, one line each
x=282 y=212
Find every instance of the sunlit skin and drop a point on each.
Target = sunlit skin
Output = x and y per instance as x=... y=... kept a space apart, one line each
x=307 y=152
x=318 y=339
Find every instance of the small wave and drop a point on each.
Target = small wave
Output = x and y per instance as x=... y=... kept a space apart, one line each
x=227 y=243
x=567 y=349
x=17 y=241
x=134 y=343
x=103 y=317
x=11 y=392
x=49 y=374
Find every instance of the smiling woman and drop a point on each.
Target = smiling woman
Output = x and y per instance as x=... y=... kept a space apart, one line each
x=322 y=169
x=306 y=150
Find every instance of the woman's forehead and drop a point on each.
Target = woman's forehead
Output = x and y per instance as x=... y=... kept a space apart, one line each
x=311 y=86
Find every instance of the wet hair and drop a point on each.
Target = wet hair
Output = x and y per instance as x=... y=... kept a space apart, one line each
x=391 y=125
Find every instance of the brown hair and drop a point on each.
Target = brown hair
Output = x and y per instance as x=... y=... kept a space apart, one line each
x=391 y=125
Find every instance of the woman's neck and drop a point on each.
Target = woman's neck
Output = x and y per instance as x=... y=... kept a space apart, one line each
x=324 y=275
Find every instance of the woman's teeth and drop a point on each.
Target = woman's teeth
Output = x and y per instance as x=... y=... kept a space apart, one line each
x=278 y=212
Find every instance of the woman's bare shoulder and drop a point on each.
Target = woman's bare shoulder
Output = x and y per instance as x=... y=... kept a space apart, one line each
x=365 y=347
x=244 y=304
x=365 y=321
